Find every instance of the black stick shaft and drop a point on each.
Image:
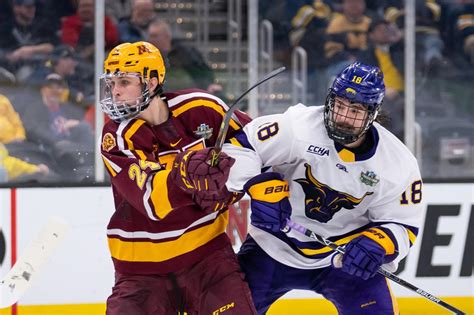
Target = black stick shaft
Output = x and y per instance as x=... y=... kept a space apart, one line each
x=389 y=275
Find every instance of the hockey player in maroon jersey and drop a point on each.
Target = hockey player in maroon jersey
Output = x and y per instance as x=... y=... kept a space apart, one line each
x=167 y=236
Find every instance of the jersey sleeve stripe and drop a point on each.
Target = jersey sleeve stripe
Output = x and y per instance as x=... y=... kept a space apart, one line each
x=124 y=134
x=140 y=154
x=326 y=249
x=146 y=199
x=235 y=142
x=121 y=141
x=412 y=232
x=178 y=111
x=131 y=131
x=147 y=251
x=111 y=166
x=242 y=140
x=411 y=237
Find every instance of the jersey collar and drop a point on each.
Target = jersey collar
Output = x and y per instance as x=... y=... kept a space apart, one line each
x=348 y=155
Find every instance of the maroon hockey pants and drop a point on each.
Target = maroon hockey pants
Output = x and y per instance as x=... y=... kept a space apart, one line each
x=213 y=286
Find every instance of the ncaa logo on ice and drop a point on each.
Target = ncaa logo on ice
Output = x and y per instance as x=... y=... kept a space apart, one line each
x=314 y=149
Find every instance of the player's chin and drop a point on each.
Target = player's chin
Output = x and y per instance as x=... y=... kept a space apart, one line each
x=347 y=130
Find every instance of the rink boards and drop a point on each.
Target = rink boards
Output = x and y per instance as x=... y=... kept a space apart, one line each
x=78 y=278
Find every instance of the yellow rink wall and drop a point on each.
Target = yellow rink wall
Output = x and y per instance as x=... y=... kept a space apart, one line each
x=408 y=306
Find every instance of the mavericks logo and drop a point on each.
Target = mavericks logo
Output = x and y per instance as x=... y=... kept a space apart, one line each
x=321 y=201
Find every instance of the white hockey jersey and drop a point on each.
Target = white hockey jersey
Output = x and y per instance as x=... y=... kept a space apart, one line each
x=334 y=192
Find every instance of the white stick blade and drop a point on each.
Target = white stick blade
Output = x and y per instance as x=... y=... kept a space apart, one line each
x=19 y=278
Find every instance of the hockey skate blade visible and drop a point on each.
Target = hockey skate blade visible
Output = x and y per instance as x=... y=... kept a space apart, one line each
x=19 y=278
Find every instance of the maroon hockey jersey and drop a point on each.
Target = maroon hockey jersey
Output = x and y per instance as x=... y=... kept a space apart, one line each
x=156 y=227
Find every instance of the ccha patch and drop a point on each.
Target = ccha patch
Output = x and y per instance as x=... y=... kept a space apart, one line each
x=108 y=142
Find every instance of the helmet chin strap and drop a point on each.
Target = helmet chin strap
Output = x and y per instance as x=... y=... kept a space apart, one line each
x=157 y=91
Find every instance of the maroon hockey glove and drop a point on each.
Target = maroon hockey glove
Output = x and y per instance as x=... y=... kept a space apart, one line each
x=215 y=202
x=192 y=171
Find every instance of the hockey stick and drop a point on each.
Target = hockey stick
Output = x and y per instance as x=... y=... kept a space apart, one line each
x=19 y=278
x=228 y=115
x=301 y=229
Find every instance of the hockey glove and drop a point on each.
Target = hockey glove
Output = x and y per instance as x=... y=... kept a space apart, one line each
x=269 y=201
x=215 y=202
x=363 y=257
x=192 y=171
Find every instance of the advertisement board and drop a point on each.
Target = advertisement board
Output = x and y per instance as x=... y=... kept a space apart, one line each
x=80 y=271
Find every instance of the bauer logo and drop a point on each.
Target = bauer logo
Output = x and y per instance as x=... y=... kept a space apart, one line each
x=314 y=149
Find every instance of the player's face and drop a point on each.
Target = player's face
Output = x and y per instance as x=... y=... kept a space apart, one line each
x=125 y=88
x=349 y=117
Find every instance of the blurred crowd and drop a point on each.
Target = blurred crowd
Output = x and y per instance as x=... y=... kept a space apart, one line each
x=47 y=65
x=338 y=32
x=47 y=80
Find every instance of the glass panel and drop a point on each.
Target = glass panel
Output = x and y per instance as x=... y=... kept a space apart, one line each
x=335 y=33
x=444 y=94
x=46 y=119
x=47 y=92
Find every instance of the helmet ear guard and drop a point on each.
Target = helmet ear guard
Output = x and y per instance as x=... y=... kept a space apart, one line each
x=140 y=59
x=359 y=84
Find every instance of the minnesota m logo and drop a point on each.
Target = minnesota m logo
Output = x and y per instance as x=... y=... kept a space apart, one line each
x=143 y=49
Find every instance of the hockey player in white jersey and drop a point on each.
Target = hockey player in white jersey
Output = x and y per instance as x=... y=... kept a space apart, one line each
x=336 y=171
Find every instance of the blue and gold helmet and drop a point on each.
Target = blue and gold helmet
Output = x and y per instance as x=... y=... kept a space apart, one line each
x=360 y=84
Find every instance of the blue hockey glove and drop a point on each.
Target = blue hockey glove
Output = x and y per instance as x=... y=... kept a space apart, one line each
x=269 y=201
x=363 y=257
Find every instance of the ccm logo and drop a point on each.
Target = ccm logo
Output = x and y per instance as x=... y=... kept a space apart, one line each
x=276 y=189
x=223 y=309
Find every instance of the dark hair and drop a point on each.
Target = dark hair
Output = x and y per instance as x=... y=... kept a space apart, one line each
x=376 y=22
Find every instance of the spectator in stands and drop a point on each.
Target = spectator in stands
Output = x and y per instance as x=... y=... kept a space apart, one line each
x=11 y=127
x=429 y=45
x=308 y=27
x=12 y=133
x=459 y=38
x=309 y=32
x=64 y=61
x=381 y=36
x=187 y=66
x=25 y=39
x=118 y=9
x=460 y=32
x=13 y=169
x=279 y=14
x=346 y=36
x=134 y=29
x=78 y=30
x=59 y=127
x=54 y=11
